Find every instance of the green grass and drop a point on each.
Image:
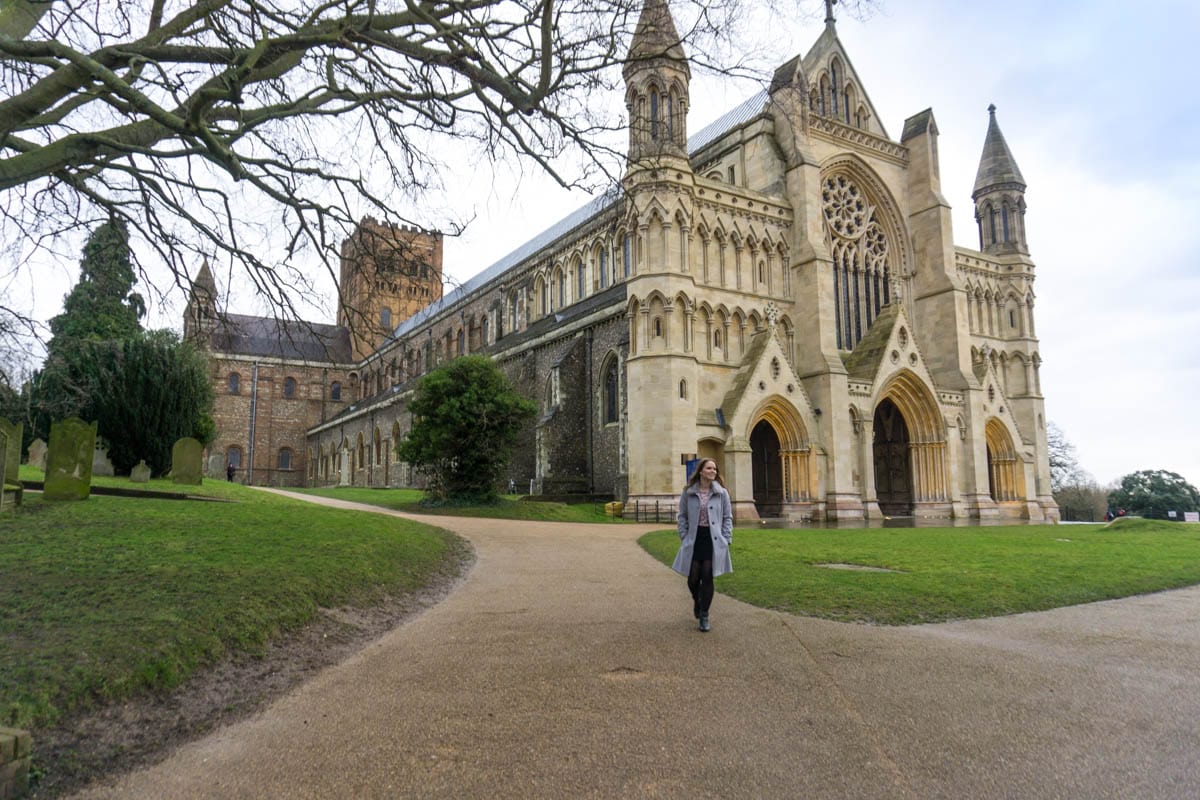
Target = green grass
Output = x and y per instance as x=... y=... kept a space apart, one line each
x=110 y=597
x=409 y=500
x=951 y=573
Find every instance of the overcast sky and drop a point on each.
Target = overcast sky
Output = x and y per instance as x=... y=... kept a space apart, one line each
x=1098 y=105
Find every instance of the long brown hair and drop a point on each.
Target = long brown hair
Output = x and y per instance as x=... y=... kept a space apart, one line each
x=695 y=479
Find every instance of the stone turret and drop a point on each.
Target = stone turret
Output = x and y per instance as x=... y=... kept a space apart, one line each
x=201 y=314
x=657 y=78
x=999 y=196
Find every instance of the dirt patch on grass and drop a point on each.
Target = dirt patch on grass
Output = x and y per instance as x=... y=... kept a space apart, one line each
x=120 y=738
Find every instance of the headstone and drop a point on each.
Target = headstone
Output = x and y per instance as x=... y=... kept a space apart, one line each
x=37 y=454
x=140 y=473
x=187 y=458
x=344 y=467
x=216 y=467
x=69 y=460
x=101 y=464
x=12 y=450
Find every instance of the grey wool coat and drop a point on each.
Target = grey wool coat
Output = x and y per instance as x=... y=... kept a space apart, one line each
x=720 y=526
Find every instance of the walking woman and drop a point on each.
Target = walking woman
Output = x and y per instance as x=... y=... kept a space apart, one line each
x=705 y=533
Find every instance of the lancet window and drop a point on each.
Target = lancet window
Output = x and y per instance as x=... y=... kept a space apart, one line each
x=861 y=253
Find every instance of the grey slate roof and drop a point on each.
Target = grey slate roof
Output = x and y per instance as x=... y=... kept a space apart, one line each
x=593 y=208
x=273 y=338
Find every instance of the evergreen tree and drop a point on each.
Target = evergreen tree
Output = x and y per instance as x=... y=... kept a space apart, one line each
x=102 y=306
x=1154 y=493
x=466 y=419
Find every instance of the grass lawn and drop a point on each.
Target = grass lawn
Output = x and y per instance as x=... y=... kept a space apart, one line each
x=409 y=500
x=113 y=596
x=951 y=573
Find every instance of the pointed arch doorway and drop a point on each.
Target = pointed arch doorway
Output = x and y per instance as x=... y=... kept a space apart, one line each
x=766 y=469
x=893 y=467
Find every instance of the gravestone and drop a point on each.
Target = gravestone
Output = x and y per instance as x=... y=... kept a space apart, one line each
x=69 y=460
x=140 y=473
x=37 y=454
x=12 y=450
x=216 y=467
x=187 y=457
x=101 y=464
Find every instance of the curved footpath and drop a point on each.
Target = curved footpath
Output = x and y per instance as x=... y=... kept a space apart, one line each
x=568 y=664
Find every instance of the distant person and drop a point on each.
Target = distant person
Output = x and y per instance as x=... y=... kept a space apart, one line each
x=229 y=471
x=512 y=486
x=705 y=524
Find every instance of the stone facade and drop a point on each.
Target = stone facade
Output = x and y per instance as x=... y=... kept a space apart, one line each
x=780 y=291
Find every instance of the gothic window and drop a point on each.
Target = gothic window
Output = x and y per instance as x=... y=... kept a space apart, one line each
x=611 y=397
x=717 y=339
x=833 y=90
x=733 y=176
x=289 y=387
x=654 y=113
x=483 y=331
x=992 y=224
x=233 y=457
x=861 y=253
x=603 y=267
x=285 y=458
x=362 y=452
x=671 y=116
x=462 y=344
x=544 y=293
x=512 y=313
x=1004 y=221
x=335 y=391
x=235 y=383
x=385 y=317
x=626 y=254
x=378 y=448
x=562 y=289
x=683 y=390
x=658 y=326
x=1012 y=318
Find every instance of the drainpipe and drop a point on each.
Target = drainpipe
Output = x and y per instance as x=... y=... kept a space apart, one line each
x=253 y=411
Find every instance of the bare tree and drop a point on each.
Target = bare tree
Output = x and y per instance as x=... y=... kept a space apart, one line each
x=255 y=130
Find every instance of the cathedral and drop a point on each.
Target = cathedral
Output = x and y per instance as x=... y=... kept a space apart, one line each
x=779 y=291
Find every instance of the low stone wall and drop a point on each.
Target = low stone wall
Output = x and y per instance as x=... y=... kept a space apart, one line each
x=16 y=748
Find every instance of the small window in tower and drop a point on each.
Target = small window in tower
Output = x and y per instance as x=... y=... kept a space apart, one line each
x=235 y=383
x=683 y=390
x=732 y=176
x=385 y=317
x=657 y=326
x=1004 y=220
x=627 y=255
x=1012 y=318
x=653 y=113
x=833 y=92
x=285 y=458
x=289 y=387
x=717 y=339
x=335 y=391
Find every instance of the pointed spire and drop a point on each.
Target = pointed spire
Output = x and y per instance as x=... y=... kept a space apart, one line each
x=204 y=280
x=830 y=22
x=997 y=167
x=654 y=38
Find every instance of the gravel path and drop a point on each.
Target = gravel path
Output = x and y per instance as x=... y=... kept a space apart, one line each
x=567 y=664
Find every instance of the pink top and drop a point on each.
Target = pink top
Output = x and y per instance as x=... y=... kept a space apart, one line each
x=704 y=495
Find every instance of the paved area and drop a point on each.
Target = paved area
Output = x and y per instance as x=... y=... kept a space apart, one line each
x=568 y=665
